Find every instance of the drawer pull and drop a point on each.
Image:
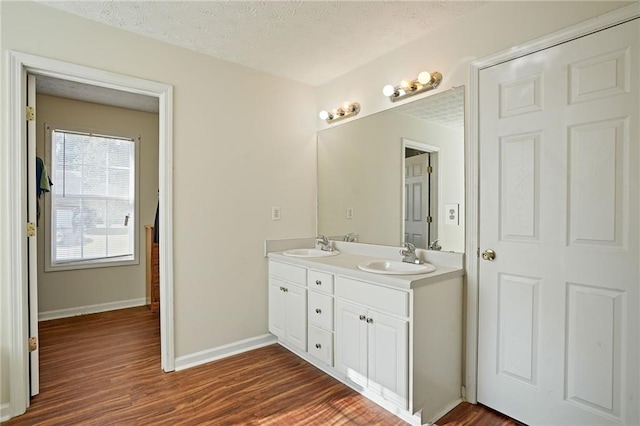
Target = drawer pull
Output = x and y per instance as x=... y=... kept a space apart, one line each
x=318 y=282
x=318 y=345
x=318 y=311
x=369 y=320
x=362 y=317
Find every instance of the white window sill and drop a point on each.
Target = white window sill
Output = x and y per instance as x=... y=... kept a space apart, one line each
x=94 y=263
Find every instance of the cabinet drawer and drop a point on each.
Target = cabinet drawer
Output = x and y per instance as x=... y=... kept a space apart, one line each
x=291 y=273
x=374 y=296
x=321 y=281
x=321 y=344
x=320 y=310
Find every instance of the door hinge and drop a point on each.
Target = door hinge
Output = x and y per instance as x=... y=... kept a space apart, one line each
x=429 y=169
x=31 y=229
x=31 y=113
x=429 y=219
x=33 y=344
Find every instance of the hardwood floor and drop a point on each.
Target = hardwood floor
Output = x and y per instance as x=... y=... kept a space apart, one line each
x=104 y=369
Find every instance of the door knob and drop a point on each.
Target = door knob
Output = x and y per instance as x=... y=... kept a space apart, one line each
x=488 y=254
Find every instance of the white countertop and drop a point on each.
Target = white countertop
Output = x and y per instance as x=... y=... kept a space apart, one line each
x=346 y=264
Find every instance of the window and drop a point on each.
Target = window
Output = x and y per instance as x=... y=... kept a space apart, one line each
x=92 y=201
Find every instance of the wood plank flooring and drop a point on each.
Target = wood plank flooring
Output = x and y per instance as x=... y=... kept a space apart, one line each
x=104 y=369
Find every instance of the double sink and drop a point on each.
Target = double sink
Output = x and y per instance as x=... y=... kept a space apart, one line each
x=375 y=266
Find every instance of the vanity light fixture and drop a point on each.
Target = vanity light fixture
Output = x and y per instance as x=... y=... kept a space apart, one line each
x=425 y=81
x=346 y=110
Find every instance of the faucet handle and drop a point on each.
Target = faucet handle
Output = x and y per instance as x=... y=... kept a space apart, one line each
x=409 y=247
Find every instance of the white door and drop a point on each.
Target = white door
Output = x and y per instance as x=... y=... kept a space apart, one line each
x=295 y=302
x=416 y=211
x=559 y=194
x=276 y=308
x=388 y=357
x=351 y=341
x=32 y=242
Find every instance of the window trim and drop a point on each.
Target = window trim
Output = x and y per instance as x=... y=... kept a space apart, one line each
x=134 y=259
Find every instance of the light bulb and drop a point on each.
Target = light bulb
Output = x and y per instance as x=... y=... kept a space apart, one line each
x=388 y=90
x=324 y=115
x=424 y=77
x=405 y=84
x=347 y=106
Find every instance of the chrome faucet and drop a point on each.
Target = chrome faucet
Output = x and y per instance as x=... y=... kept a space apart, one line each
x=324 y=243
x=350 y=237
x=435 y=246
x=409 y=254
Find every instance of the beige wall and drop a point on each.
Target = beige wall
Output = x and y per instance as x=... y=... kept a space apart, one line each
x=360 y=166
x=73 y=289
x=240 y=147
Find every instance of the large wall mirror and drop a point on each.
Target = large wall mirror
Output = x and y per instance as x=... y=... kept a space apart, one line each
x=397 y=175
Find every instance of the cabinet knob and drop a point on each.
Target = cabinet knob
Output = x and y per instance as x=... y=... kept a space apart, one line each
x=281 y=288
x=318 y=311
x=318 y=345
x=369 y=320
x=284 y=289
x=318 y=282
x=362 y=317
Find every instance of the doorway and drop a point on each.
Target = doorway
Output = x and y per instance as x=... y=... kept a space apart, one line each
x=554 y=358
x=420 y=193
x=20 y=65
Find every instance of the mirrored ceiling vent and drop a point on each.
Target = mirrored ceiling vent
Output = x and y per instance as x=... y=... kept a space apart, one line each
x=425 y=81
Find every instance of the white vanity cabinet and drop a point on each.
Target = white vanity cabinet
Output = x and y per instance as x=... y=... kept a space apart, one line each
x=397 y=340
x=288 y=303
x=372 y=350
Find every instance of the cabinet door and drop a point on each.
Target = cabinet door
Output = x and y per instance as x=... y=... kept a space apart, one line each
x=296 y=316
x=351 y=341
x=276 y=308
x=388 y=357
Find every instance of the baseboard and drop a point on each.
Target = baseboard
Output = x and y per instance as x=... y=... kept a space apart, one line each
x=91 y=309
x=5 y=412
x=450 y=406
x=213 y=354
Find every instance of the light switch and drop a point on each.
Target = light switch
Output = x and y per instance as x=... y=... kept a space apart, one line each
x=275 y=213
x=349 y=212
x=452 y=213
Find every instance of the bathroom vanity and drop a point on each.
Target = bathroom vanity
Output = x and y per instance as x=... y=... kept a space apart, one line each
x=397 y=339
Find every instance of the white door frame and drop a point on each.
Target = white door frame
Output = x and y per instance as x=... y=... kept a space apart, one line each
x=421 y=146
x=472 y=166
x=13 y=244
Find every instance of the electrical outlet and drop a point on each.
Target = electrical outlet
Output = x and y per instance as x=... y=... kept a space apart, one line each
x=349 y=212
x=452 y=213
x=275 y=213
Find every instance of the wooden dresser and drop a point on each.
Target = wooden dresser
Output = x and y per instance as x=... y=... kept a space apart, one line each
x=153 y=270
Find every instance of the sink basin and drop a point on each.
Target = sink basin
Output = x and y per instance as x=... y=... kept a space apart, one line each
x=310 y=252
x=395 y=267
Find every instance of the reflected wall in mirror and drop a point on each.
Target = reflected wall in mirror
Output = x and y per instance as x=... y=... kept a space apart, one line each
x=372 y=180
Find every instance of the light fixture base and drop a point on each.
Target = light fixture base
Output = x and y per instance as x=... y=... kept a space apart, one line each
x=414 y=87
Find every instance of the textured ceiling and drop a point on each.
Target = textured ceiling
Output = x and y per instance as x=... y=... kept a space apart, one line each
x=101 y=95
x=444 y=108
x=311 y=42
